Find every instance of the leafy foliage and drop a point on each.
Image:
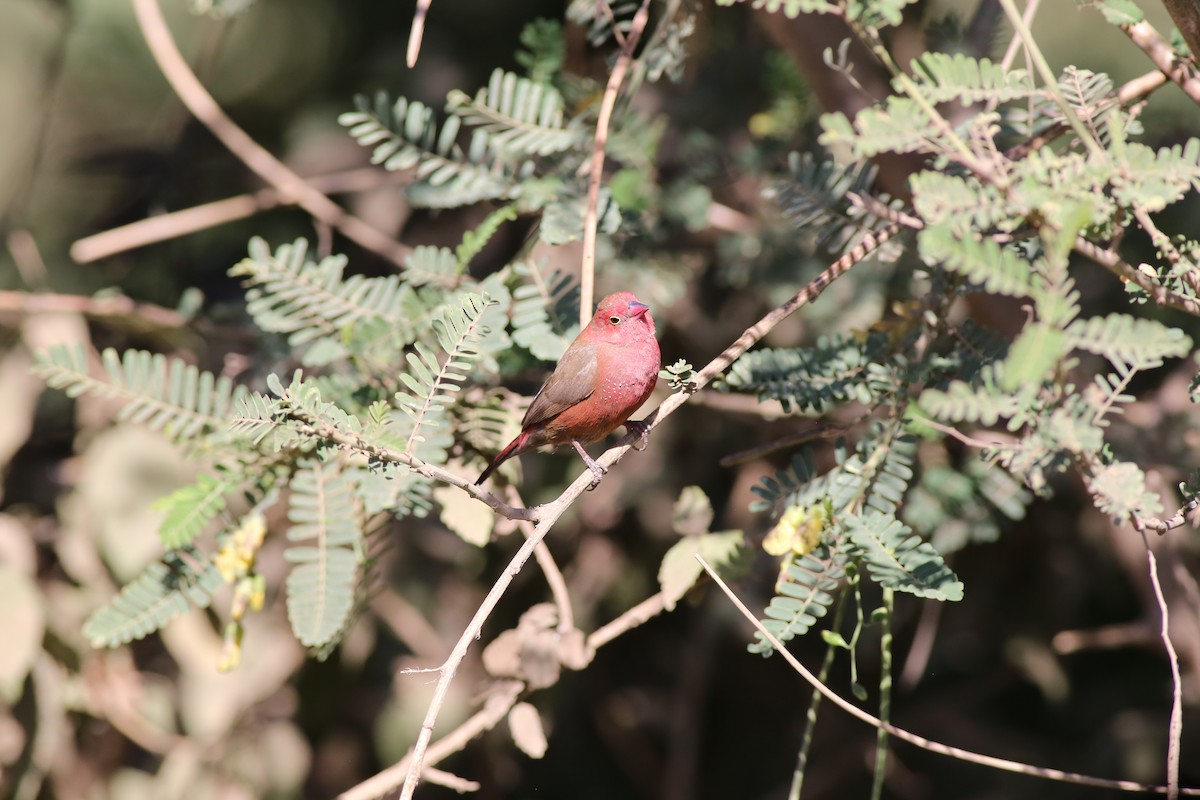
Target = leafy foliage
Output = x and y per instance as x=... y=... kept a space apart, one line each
x=404 y=135
x=190 y=509
x=804 y=594
x=545 y=311
x=163 y=394
x=328 y=533
x=942 y=77
x=264 y=441
x=522 y=117
x=679 y=569
x=813 y=380
x=168 y=588
x=899 y=560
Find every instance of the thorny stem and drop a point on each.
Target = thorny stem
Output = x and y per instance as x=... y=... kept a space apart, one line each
x=353 y=442
x=885 y=694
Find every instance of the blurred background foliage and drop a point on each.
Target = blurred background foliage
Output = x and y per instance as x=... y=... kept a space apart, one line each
x=1051 y=658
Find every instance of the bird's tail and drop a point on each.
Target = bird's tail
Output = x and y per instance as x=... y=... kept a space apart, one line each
x=508 y=452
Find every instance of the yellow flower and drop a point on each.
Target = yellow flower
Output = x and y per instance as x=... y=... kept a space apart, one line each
x=236 y=556
x=798 y=531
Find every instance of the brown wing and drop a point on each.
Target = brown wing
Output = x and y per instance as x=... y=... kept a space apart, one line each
x=573 y=380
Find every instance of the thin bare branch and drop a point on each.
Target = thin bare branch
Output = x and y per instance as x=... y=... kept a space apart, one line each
x=1125 y=271
x=587 y=269
x=646 y=610
x=408 y=625
x=495 y=708
x=920 y=741
x=549 y=567
x=118 y=306
x=450 y=780
x=197 y=99
x=1181 y=71
x=162 y=227
x=821 y=430
x=450 y=668
x=417 y=33
x=1176 y=520
x=1175 y=726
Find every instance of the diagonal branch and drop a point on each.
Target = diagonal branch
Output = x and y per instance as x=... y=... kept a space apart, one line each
x=1181 y=71
x=173 y=224
x=290 y=185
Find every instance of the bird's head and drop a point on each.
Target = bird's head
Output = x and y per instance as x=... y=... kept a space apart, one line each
x=621 y=317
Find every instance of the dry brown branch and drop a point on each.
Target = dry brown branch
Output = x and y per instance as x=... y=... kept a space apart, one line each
x=498 y=704
x=549 y=567
x=821 y=430
x=417 y=33
x=587 y=269
x=174 y=224
x=450 y=780
x=1130 y=92
x=1014 y=44
x=1175 y=726
x=920 y=741
x=290 y=185
x=1182 y=72
x=28 y=257
x=1108 y=637
x=118 y=306
x=646 y=610
x=1126 y=272
x=408 y=625
x=495 y=708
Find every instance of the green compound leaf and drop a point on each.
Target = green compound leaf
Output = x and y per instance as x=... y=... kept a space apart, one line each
x=184 y=579
x=900 y=560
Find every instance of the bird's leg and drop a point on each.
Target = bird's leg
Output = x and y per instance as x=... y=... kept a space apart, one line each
x=598 y=471
x=641 y=429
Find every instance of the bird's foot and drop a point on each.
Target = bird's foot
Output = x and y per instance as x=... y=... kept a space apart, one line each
x=598 y=471
x=641 y=429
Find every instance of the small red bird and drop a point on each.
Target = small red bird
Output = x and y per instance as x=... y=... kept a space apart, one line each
x=603 y=377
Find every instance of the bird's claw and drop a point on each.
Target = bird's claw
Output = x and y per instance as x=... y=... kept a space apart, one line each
x=640 y=429
x=598 y=473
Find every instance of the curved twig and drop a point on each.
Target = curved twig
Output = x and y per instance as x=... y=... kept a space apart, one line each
x=920 y=741
x=1175 y=726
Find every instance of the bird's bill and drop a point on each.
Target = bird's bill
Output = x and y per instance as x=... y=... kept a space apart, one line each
x=636 y=309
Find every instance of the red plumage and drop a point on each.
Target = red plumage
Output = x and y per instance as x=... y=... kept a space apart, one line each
x=602 y=378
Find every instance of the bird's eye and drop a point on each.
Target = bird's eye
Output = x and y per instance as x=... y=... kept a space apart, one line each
x=615 y=320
